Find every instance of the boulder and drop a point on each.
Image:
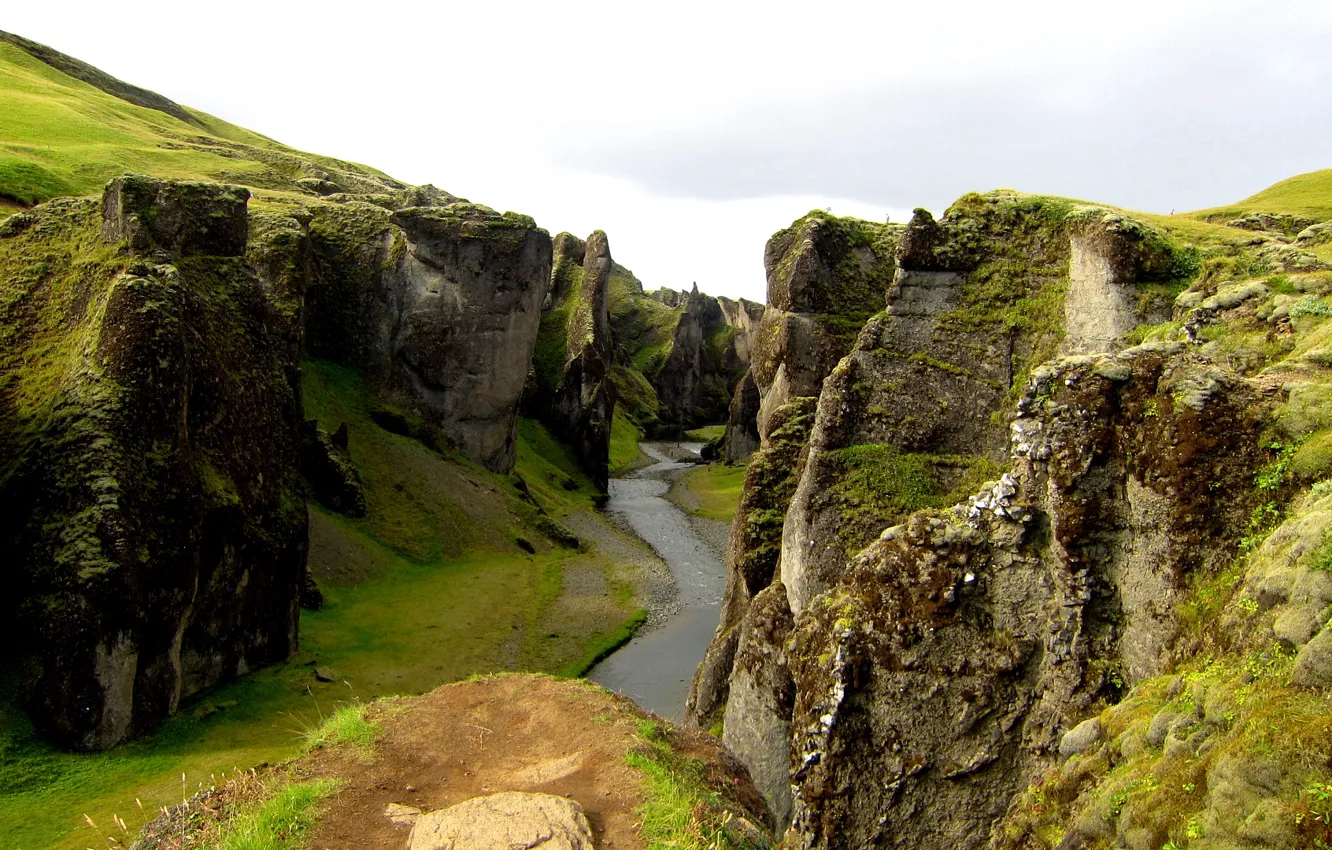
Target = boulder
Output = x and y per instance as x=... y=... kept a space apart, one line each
x=1080 y=738
x=504 y=821
x=328 y=469
x=1313 y=666
x=173 y=218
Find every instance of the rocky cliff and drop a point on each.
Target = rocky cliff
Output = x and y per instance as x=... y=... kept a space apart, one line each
x=152 y=431
x=826 y=276
x=153 y=509
x=948 y=654
x=571 y=387
x=710 y=351
x=439 y=306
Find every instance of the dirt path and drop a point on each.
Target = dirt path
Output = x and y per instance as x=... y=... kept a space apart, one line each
x=513 y=733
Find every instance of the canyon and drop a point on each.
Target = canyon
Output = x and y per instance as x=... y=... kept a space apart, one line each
x=1032 y=549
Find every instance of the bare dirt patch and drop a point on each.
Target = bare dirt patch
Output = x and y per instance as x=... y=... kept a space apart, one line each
x=513 y=733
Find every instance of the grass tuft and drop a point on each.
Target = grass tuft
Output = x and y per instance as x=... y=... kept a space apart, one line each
x=347 y=727
x=682 y=810
x=281 y=822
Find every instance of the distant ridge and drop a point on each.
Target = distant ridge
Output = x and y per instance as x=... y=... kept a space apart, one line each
x=100 y=79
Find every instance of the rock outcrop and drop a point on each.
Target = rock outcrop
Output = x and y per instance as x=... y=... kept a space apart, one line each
x=915 y=417
x=585 y=400
x=808 y=325
x=439 y=307
x=150 y=486
x=826 y=277
x=570 y=387
x=742 y=436
x=710 y=352
x=966 y=643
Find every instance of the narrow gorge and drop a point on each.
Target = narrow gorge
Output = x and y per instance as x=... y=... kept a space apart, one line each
x=314 y=482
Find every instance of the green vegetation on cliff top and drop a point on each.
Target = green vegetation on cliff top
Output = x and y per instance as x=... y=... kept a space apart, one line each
x=1304 y=194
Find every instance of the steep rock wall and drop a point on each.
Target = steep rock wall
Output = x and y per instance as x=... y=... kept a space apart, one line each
x=826 y=276
x=151 y=488
x=439 y=306
x=951 y=658
x=571 y=386
x=584 y=399
x=917 y=414
x=709 y=352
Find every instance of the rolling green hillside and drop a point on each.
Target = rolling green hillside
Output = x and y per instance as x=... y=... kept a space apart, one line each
x=1304 y=195
x=64 y=136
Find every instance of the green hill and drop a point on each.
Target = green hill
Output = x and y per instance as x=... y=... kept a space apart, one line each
x=1302 y=195
x=66 y=136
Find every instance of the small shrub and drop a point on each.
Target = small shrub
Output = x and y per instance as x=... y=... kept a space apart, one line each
x=1311 y=305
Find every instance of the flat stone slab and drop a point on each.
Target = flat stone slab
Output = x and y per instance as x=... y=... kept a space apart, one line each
x=504 y=821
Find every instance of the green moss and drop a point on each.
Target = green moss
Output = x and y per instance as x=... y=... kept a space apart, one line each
x=770 y=483
x=643 y=326
x=876 y=485
x=635 y=398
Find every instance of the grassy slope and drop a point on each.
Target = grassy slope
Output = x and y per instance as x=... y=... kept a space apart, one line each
x=716 y=487
x=1304 y=194
x=624 y=451
x=61 y=136
x=429 y=587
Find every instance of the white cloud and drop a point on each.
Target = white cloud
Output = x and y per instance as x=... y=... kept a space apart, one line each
x=690 y=131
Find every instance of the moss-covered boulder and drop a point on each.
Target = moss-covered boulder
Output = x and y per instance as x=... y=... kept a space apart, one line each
x=151 y=500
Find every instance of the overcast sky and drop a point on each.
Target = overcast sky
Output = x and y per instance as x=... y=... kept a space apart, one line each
x=689 y=132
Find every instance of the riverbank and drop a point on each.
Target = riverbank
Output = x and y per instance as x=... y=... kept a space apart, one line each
x=655 y=668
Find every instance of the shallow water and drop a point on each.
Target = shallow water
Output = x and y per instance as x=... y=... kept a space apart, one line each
x=655 y=669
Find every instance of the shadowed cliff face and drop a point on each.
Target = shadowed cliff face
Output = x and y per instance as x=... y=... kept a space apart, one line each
x=710 y=351
x=585 y=400
x=159 y=521
x=152 y=427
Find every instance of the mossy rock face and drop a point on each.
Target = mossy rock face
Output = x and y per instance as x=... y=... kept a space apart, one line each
x=438 y=306
x=572 y=386
x=150 y=482
x=755 y=544
x=973 y=638
x=175 y=219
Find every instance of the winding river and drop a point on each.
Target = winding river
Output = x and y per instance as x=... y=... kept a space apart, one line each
x=656 y=667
